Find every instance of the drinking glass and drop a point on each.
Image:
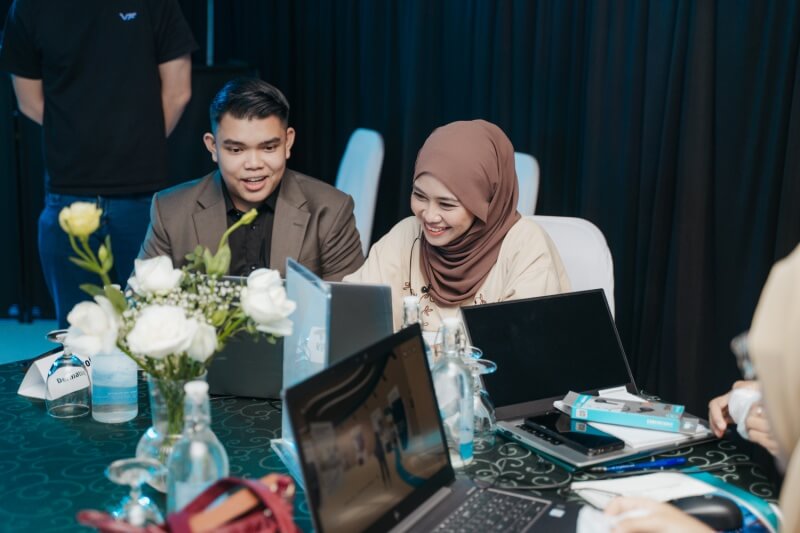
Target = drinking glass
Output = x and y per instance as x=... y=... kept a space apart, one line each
x=68 y=387
x=136 y=509
x=483 y=408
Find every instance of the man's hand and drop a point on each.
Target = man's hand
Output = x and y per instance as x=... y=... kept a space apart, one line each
x=649 y=516
x=718 y=414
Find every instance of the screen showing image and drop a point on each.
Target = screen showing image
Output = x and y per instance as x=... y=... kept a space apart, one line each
x=369 y=436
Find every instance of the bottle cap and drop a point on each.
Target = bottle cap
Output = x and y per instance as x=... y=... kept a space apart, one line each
x=410 y=300
x=196 y=389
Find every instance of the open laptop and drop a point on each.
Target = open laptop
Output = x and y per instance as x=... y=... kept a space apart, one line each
x=251 y=366
x=545 y=347
x=373 y=454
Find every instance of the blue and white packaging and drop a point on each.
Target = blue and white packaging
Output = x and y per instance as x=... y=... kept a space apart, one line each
x=646 y=415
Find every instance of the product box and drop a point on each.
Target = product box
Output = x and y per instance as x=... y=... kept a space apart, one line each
x=647 y=415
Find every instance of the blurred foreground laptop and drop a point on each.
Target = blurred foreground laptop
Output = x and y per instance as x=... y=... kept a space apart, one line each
x=374 y=458
x=545 y=347
x=360 y=314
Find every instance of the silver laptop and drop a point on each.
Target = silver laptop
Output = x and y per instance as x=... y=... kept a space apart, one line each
x=360 y=314
x=545 y=347
x=373 y=455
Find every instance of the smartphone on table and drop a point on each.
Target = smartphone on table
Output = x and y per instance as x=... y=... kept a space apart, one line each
x=576 y=434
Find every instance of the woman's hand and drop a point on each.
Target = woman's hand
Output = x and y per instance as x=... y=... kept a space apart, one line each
x=758 y=428
x=650 y=516
x=718 y=414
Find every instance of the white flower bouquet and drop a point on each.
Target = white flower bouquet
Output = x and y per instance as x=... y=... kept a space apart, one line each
x=170 y=321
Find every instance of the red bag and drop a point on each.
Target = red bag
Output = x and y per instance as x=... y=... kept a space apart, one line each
x=262 y=506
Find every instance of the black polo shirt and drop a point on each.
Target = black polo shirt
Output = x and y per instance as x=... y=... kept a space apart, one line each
x=98 y=61
x=250 y=245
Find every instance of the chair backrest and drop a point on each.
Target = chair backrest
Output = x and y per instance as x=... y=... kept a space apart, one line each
x=584 y=251
x=528 y=178
x=359 y=175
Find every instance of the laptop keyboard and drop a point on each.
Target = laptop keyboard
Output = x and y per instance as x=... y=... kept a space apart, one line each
x=488 y=510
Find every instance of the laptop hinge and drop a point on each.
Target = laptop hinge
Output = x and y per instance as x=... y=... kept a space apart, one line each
x=422 y=510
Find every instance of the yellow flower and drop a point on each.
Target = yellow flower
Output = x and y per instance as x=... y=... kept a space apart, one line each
x=250 y=216
x=80 y=219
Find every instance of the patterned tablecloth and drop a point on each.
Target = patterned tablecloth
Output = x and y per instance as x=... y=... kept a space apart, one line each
x=50 y=469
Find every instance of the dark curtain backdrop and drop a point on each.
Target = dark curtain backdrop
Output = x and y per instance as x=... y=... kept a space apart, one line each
x=674 y=126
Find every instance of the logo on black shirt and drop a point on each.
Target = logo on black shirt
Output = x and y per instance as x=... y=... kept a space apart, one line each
x=128 y=16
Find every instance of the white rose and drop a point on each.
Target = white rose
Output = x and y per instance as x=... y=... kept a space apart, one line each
x=161 y=330
x=264 y=278
x=154 y=275
x=264 y=300
x=204 y=342
x=93 y=327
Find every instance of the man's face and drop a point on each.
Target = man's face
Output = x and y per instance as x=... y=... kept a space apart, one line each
x=251 y=154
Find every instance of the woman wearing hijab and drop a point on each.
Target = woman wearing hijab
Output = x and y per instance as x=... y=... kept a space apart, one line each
x=466 y=243
x=774 y=347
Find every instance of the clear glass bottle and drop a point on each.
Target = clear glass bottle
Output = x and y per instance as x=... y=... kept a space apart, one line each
x=198 y=458
x=115 y=396
x=411 y=315
x=454 y=394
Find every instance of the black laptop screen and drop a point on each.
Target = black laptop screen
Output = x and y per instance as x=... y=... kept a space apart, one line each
x=545 y=347
x=369 y=438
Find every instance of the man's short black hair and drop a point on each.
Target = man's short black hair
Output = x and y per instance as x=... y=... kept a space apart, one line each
x=247 y=98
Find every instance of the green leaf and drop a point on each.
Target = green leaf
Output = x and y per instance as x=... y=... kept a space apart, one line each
x=116 y=298
x=86 y=265
x=223 y=259
x=218 y=264
x=91 y=289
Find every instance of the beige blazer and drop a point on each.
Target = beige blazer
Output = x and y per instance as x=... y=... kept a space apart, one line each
x=528 y=266
x=314 y=224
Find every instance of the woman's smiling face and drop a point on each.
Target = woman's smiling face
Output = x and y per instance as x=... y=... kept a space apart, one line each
x=441 y=214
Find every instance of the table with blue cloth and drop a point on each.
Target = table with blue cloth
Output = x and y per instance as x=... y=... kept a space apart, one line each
x=52 y=468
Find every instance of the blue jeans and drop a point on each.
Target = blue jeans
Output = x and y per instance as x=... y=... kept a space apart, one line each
x=125 y=218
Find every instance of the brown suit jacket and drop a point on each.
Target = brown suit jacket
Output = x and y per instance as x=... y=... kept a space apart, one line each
x=314 y=224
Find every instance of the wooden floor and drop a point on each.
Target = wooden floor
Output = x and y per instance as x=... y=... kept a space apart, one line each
x=23 y=341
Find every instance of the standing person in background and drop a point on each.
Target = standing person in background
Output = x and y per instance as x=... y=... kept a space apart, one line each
x=466 y=243
x=108 y=82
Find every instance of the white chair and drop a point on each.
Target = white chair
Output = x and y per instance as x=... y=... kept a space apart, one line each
x=359 y=175
x=584 y=251
x=528 y=178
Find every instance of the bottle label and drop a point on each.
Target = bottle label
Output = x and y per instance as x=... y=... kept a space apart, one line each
x=105 y=395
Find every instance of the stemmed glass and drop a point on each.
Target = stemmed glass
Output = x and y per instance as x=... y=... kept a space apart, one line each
x=483 y=408
x=68 y=387
x=136 y=509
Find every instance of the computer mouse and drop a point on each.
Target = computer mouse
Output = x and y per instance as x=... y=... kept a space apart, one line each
x=717 y=512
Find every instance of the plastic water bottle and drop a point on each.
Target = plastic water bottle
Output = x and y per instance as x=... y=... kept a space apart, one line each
x=115 y=395
x=453 y=383
x=411 y=316
x=198 y=458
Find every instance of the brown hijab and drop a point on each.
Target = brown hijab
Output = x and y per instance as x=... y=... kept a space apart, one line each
x=774 y=344
x=475 y=160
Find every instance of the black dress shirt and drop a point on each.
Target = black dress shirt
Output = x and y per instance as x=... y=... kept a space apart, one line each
x=250 y=245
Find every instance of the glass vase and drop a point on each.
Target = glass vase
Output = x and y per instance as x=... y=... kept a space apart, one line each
x=166 y=410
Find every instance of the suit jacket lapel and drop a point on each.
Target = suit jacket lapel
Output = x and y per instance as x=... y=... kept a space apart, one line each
x=289 y=226
x=210 y=220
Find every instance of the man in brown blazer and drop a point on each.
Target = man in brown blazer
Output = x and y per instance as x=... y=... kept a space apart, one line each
x=298 y=216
